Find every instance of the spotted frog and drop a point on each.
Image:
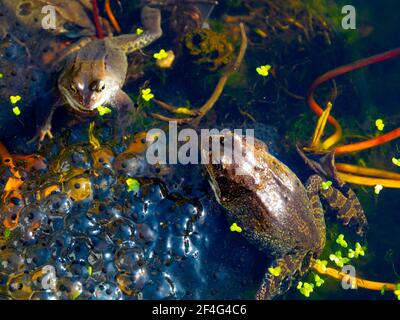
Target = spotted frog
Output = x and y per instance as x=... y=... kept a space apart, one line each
x=277 y=213
x=94 y=72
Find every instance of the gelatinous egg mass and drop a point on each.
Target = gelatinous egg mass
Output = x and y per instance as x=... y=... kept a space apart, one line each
x=71 y=228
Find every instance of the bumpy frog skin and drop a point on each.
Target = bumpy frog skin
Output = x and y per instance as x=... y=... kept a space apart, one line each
x=95 y=71
x=276 y=212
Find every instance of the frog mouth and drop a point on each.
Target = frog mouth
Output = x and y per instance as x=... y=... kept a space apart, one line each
x=75 y=105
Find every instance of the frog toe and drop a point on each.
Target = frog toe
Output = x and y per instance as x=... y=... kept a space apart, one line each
x=41 y=136
x=279 y=279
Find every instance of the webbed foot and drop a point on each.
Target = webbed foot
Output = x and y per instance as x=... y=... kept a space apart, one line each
x=278 y=280
x=42 y=133
x=340 y=196
x=341 y=199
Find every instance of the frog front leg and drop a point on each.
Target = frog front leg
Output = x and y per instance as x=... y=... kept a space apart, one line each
x=343 y=201
x=44 y=118
x=280 y=280
x=151 y=20
x=126 y=110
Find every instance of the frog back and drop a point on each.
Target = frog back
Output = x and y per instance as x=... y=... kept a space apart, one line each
x=270 y=203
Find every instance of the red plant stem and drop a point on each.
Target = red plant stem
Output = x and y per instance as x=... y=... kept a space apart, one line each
x=342 y=70
x=358 y=146
x=99 y=29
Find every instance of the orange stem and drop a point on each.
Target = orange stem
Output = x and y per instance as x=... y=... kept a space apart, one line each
x=337 y=72
x=363 y=171
x=112 y=17
x=368 y=181
x=361 y=283
x=358 y=146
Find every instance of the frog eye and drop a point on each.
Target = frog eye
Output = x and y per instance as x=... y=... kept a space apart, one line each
x=73 y=87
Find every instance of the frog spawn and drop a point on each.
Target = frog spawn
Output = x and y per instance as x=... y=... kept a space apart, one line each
x=75 y=232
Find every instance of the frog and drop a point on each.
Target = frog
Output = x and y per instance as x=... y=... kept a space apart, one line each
x=93 y=72
x=28 y=52
x=276 y=212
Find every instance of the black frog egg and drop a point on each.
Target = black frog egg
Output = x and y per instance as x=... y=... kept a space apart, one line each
x=104 y=211
x=79 y=250
x=20 y=286
x=38 y=255
x=69 y=288
x=79 y=188
x=137 y=211
x=129 y=259
x=11 y=261
x=103 y=159
x=146 y=233
x=59 y=243
x=103 y=247
x=32 y=220
x=10 y=213
x=73 y=158
x=107 y=291
x=131 y=284
x=58 y=205
x=80 y=269
x=120 y=230
x=131 y=164
x=82 y=224
x=102 y=187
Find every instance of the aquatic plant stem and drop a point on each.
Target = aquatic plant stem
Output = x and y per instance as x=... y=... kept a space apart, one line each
x=196 y=115
x=222 y=81
x=361 y=283
x=111 y=16
x=169 y=119
x=368 y=181
x=363 y=145
x=333 y=139
x=96 y=17
x=369 y=172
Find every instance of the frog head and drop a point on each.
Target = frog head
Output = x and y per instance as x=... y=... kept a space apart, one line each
x=230 y=161
x=86 y=85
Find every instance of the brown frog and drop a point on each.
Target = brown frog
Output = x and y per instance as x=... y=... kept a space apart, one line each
x=277 y=213
x=94 y=71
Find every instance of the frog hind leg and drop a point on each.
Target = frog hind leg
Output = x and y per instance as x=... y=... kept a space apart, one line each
x=313 y=187
x=344 y=202
x=274 y=285
x=151 y=20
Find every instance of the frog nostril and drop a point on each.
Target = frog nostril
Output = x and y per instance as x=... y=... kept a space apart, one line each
x=97 y=85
